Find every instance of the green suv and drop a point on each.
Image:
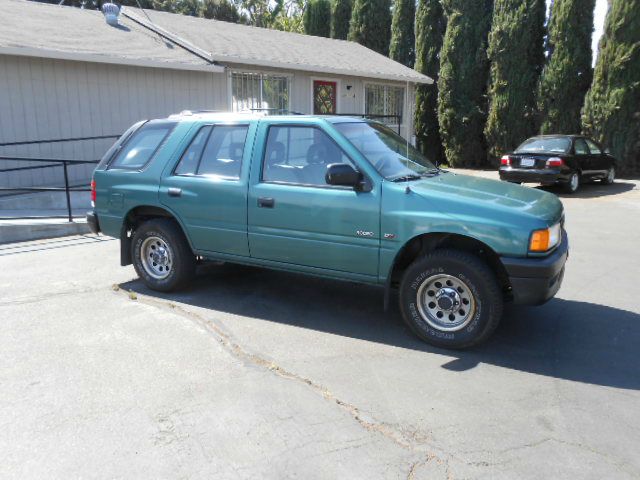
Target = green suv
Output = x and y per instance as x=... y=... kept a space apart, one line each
x=338 y=197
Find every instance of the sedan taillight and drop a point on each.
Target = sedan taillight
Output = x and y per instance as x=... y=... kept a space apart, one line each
x=555 y=162
x=505 y=160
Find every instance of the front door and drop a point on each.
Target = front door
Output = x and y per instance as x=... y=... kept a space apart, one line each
x=207 y=189
x=324 y=97
x=295 y=217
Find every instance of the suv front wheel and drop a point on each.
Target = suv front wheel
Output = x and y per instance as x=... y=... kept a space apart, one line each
x=162 y=256
x=451 y=299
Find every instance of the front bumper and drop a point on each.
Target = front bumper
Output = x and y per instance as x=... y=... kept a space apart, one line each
x=535 y=280
x=92 y=221
x=532 y=175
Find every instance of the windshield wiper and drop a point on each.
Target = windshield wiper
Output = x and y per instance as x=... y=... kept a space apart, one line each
x=406 y=178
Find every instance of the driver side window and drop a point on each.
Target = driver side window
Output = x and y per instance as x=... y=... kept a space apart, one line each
x=300 y=155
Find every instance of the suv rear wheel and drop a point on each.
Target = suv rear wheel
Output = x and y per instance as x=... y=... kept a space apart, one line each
x=451 y=299
x=162 y=256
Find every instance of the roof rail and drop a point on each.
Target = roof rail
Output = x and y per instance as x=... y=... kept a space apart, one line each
x=275 y=111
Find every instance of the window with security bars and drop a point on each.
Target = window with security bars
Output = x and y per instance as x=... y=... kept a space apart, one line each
x=384 y=100
x=251 y=91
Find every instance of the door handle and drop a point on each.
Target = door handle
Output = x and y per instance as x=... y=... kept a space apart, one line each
x=264 y=202
x=175 y=192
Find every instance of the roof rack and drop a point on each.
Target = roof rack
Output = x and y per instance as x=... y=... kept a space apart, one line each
x=275 y=111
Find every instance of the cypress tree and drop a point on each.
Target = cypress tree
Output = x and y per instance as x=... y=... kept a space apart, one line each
x=371 y=24
x=462 y=83
x=516 y=54
x=612 y=105
x=317 y=18
x=430 y=27
x=402 y=48
x=340 y=17
x=568 y=74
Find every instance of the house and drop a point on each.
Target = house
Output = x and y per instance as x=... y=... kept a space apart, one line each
x=67 y=73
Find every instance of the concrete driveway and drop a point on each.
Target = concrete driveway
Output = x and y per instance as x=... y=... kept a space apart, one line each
x=259 y=374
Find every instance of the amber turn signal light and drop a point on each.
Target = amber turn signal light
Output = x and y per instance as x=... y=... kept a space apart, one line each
x=539 y=241
x=544 y=240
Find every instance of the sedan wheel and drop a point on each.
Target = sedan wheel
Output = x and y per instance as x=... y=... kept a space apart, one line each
x=611 y=176
x=572 y=185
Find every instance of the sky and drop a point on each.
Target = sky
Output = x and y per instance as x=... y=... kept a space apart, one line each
x=598 y=20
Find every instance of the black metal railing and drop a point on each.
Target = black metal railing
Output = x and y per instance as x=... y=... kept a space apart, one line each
x=49 y=163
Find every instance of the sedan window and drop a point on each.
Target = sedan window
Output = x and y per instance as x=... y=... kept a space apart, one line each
x=545 y=145
x=580 y=147
x=595 y=149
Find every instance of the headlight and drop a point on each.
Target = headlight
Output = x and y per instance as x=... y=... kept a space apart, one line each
x=545 y=240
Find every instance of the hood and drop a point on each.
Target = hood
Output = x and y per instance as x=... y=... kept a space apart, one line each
x=480 y=192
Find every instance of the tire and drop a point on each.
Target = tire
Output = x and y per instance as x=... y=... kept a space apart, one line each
x=173 y=265
x=611 y=176
x=452 y=270
x=573 y=184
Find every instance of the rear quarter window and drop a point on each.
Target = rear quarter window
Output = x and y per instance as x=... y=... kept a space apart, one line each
x=142 y=146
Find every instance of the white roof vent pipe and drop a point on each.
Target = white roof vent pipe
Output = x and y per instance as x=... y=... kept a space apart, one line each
x=111 y=12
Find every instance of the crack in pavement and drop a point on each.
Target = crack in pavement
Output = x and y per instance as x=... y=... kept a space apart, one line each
x=619 y=465
x=47 y=296
x=367 y=422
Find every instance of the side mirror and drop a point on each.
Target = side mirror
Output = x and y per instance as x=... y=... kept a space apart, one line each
x=343 y=174
x=607 y=151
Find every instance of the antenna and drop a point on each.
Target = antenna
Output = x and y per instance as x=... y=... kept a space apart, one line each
x=405 y=111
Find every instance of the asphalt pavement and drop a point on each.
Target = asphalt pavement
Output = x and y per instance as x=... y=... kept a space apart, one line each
x=253 y=373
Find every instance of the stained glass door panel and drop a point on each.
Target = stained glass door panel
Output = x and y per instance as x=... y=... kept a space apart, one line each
x=324 y=97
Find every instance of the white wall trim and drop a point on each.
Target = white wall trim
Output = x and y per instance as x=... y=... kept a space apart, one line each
x=96 y=58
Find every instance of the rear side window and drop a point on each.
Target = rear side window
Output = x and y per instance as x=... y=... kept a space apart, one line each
x=191 y=156
x=222 y=157
x=215 y=151
x=580 y=147
x=593 y=148
x=141 y=147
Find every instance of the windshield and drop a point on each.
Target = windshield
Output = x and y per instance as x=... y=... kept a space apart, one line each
x=390 y=154
x=550 y=145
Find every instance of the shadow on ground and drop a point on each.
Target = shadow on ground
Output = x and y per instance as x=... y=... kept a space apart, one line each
x=565 y=339
x=592 y=190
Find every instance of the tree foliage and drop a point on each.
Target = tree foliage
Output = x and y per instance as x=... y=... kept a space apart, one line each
x=402 y=47
x=220 y=10
x=371 y=24
x=340 y=18
x=612 y=105
x=567 y=76
x=462 y=82
x=430 y=27
x=317 y=18
x=516 y=55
